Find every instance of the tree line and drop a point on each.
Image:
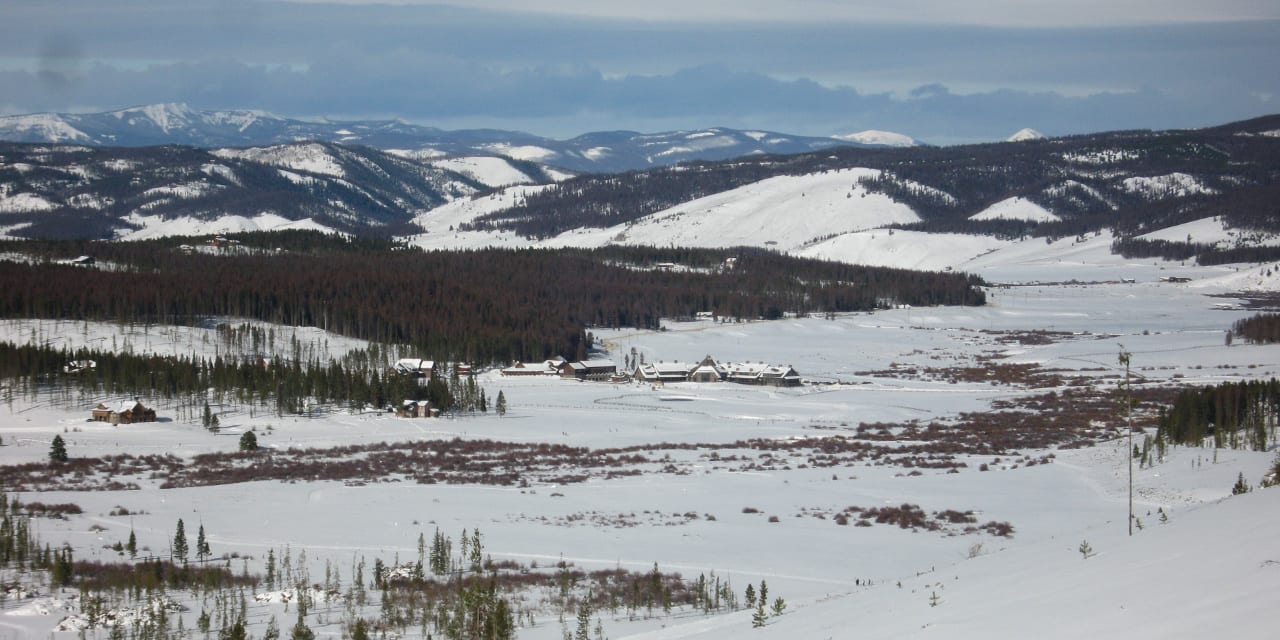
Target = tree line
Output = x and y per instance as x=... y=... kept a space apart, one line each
x=490 y=306
x=288 y=387
x=1260 y=328
x=1233 y=414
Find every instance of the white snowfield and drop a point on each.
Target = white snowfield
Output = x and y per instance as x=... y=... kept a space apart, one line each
x=830 y=216
x=150 y=227
x=1211 y=570
x=1172 y=185
x=877 y=137
x=1026 y=134
x=24 y=203
x=311 y=158
x=785 y=213
x=1017 y=208
x=46 y=125
x=491 y=171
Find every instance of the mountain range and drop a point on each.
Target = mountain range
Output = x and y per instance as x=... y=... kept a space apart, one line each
x=845 y=203
x=609 y=151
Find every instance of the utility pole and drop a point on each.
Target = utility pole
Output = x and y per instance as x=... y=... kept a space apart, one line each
x=1128 y=408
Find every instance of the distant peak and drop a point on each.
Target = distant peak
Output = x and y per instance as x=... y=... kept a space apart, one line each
x=1027 y=134
x=879 y=138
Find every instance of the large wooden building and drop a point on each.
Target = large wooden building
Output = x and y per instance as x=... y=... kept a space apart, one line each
x=125 y=412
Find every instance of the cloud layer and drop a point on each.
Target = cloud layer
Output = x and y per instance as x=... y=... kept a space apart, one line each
x=560 y=76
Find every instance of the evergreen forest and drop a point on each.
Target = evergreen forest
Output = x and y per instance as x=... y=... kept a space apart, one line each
x=488 y=307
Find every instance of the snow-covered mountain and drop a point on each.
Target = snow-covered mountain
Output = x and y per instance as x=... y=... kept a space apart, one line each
x=923 y=207
x=593 y=152
x=875 y=138
x=78 y=191
x=1023 y=135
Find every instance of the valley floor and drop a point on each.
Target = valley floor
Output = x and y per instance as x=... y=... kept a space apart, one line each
x=704 y=501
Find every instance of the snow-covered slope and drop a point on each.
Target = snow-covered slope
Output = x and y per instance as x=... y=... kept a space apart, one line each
x=904 y=249
x=440 y=224
x=1023 y=135
x=311 y=158
x=148 y=227
x=874 y=137
x=785 y=213
x=1016 y=209
x=490 y=171
x=1161 y=583
x=74 y=191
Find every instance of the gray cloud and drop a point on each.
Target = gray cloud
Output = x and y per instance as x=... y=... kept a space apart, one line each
x=559 y=75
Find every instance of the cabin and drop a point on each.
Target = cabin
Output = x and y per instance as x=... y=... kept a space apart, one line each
x=589 y=370
x=416 y=409
x=76 y=366
x=125 y=412
x=415 y=368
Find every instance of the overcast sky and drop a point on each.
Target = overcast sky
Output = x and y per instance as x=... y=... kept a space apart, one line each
x=939 y=70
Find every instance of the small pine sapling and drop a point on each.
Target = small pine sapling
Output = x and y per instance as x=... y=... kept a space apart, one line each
x=1085 y=549
x=1240 y=486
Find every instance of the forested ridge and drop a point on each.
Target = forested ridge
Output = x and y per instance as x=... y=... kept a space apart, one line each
x=83 y=192
x=490 y=306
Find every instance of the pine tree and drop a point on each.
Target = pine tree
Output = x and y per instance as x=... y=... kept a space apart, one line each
x=584 y=619
x=179 y=550
x=1085 y=549
x=132 y=545
x=300 y=629
x=273 y=630
x=58 y=450
x=751 y=596
x=360 y=630
x=249 y=441
x=779 y=605
x=234 y=632
x=500 y=405
x=1241 y=486
x=202 y=545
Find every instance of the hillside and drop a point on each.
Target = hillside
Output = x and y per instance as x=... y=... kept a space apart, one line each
x=85 y=192
x=1128 y=181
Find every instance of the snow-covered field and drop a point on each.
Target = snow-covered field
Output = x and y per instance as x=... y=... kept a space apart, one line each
x=1211 y=571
